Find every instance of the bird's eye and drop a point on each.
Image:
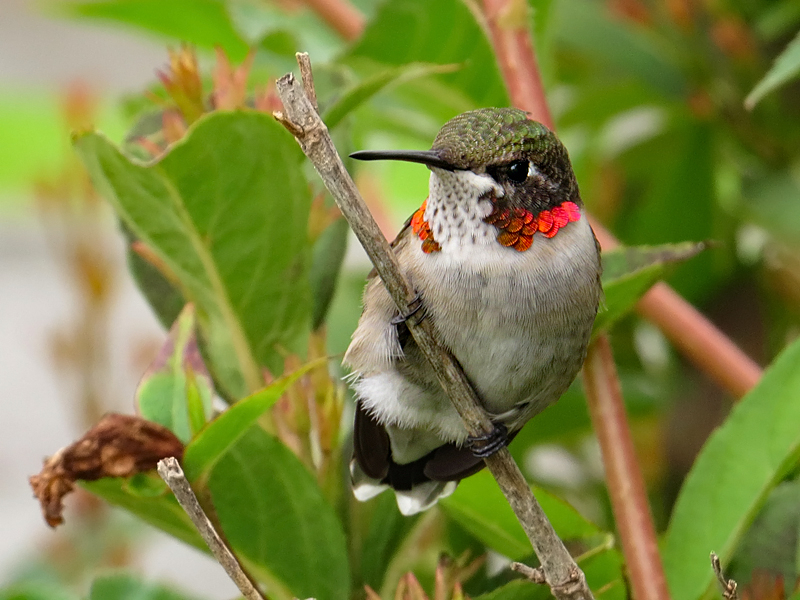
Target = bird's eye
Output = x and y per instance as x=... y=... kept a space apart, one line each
x=518 y=171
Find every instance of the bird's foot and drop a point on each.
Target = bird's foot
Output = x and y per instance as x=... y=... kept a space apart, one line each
x=414 y=307
x=486 y=445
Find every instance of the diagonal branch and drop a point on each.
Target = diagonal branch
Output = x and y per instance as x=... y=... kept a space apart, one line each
x=565 y=579
x=170 y=471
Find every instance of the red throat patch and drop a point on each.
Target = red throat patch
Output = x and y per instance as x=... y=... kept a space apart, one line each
x=516 y=227
x=423 y=229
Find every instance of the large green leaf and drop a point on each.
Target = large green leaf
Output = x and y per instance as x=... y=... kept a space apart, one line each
x=442 y=32
x=741 y=462
x=326 y=263
x=786 y=67
x=226 y=210
x=385 y=534
x=202 y=22
x=629 y=272
x=147 y=497
x=275 y=517
x=479 y=506
x=123 y=586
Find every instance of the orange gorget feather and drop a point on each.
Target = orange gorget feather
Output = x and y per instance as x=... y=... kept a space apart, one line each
x=515 y=227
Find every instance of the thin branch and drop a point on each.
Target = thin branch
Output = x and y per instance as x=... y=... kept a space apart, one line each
x=307 y=77
x=566 y=580
x=729 y=586
x=623 y=476
x=172 y=474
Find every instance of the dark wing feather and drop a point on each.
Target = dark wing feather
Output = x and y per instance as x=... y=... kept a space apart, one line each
x=370 y=445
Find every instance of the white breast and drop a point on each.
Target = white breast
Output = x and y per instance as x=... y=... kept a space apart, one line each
x=509 y=317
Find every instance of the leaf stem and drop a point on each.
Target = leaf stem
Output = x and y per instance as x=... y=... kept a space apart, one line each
x=565 y=579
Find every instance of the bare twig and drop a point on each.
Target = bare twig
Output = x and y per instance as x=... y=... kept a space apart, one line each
x=172 y=474
x=534 y=574
x=307 y=78
x=729 y=591
x=566 y=580
x=623 y=476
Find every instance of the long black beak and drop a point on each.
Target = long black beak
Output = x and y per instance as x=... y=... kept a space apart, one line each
x=426 y=157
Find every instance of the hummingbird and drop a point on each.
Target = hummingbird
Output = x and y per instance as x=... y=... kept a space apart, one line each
x=507 y=270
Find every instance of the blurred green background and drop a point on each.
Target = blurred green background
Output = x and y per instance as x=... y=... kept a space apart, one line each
x=647 y=96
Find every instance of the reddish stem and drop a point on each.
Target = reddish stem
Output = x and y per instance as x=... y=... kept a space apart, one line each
x=341 y=16
x=623 y=476
x=516 y=58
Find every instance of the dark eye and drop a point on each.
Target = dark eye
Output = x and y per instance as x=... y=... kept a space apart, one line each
x=518 y=171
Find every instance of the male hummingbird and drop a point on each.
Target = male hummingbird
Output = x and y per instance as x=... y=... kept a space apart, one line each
x=507 y=269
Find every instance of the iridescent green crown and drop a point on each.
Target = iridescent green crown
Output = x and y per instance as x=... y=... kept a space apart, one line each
x=490 y=136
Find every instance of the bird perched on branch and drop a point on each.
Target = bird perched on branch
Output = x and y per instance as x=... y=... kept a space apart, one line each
x=507 y=270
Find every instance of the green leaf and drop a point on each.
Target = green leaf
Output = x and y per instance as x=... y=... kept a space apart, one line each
x=176 y=390
x=786 y=67
x=205 y=450
x=274 y=515
x=629 y=272
x=676 y=201
x=770 y=543
x=226 y=211
x=353 y=97
x=442 y=32
x=122 y=586
x=37 y=590
x=166 y=301
x=387 y=529
x=739 y=465
x=479 y=506
x=205 y=23
x=519 y=589
x=160 y=510
x=326 y=262
x=620 y=48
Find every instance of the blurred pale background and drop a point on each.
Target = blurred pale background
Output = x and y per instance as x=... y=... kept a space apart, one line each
x=43 y=58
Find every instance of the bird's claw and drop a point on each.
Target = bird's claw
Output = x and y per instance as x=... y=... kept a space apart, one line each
x=483 y=446
x=415 y=306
